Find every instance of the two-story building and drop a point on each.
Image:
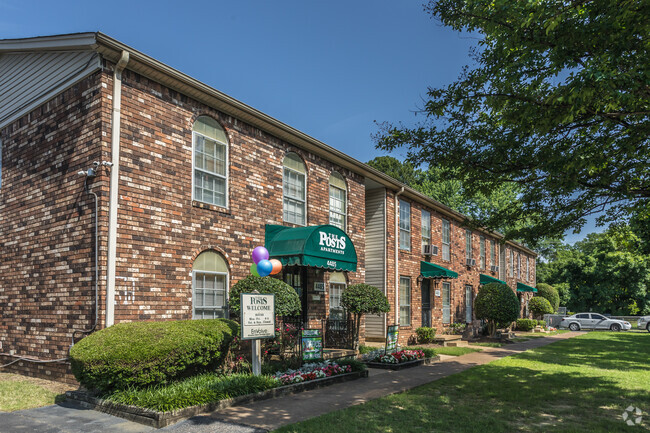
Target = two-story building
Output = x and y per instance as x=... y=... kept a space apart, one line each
x=131 y=191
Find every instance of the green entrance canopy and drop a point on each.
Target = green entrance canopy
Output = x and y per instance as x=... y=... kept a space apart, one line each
x=323 y=246
x=486 y=279
x=521 y=287
x=430 y=270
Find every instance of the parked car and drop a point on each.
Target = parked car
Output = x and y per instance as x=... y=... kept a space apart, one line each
x=593 y=321
x=644 y=323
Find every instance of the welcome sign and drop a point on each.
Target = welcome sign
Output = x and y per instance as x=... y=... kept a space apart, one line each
x=257 y=316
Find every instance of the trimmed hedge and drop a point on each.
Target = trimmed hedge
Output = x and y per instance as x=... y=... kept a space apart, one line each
x=425 y=334
x=287 y=302
x=550 y=294
x=140 y=354
x=526 y=325
x=497 y=304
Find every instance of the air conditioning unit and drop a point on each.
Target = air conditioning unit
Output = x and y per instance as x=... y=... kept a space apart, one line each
x=470 y=262
x=494 y=268
x=430 y=250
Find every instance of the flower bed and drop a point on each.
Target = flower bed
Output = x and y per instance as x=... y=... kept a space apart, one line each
x=400 y=359
x=312 y=371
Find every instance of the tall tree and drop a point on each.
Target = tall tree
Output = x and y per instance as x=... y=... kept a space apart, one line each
x=558 y=103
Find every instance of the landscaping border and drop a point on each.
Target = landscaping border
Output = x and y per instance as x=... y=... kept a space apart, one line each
x=401 y=365
x=163 y=419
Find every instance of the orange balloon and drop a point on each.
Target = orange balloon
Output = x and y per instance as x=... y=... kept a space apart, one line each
x=277 y=266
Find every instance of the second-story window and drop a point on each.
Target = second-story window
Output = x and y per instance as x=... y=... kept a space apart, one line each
x=404 y=226
x=468 y=245
x=492 y=254
x=527 y=275
x=210 y=146
x=294 y=189
x=338 y=205
x=426 y=228
x=446 y=240
x=482 y=252
x=511 y=271
x=518 y=266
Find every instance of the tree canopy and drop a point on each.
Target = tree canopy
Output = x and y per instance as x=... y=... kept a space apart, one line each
x=557 y=102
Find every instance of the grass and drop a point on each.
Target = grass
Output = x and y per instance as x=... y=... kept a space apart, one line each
x=530 y=336
x=456 y=351
x=20 y=392
x=575 y=385
x=489 y=344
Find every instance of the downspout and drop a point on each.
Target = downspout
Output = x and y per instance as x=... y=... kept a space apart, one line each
x=114 y=188
x=397 y=255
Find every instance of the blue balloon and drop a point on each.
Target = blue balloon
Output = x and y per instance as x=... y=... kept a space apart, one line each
x=264 y=267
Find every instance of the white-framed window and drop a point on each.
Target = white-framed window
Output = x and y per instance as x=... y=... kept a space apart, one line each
x=294 y=189
x=426 y=227
x=337 y=286
x=404 y=301
x=481 y=246
x=468 y=244
x=338 y=202
x=209 y=162
x=518 y=266
x=511 y=270
x=493 y=258
x=209 y=286
x=446 y=241
x=502 y=262
x=446 y=303
x=404 y=225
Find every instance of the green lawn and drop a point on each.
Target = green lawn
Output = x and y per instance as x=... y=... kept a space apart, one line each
x=456 y=351
x=582 y=384
x=18 y=392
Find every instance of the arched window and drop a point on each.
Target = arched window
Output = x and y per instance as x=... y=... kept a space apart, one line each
x=293 y=186
x=210 y=162
x=338 y=204
x=210 y=286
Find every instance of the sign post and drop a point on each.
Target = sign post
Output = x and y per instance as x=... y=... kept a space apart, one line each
x=257 y=322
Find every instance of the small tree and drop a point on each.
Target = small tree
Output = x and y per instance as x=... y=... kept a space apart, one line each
x=360 y=299
x=287 y=302
x=497 y=304
x=550 y=293
x=540 y=306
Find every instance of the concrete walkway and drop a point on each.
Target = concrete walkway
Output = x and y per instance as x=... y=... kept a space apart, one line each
x=257 y=417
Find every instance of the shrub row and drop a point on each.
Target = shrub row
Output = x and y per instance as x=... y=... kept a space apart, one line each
x=526 y=325
x=425 y=334
x=140 y=354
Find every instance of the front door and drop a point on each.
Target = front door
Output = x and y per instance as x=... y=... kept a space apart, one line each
x=296 y=277
x=426 y=303
x=469 y=298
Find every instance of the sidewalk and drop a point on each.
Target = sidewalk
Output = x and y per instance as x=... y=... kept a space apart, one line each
x=272 y=414
x=69 y=417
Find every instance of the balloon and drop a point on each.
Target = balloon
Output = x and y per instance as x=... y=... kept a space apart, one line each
x=254 y=270
x=260 y=253
x=264 y=267
x=277 y=266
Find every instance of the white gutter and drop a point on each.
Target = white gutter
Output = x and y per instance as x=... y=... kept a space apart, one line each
x=114 y=195
x=400 y=192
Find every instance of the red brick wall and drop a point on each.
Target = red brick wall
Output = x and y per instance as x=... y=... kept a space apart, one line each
x=161 y=230
x=47 y=225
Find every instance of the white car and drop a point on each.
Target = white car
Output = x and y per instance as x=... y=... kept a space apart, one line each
x=594 y=321
x=644 y=323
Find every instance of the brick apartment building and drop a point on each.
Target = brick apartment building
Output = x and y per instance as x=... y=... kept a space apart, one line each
x=130 y=191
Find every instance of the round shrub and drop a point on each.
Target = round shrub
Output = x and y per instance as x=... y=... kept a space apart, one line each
x=138 y=354
x=287 y=301
x=540 y=306
x=549 y=293
x=360 y=299
x=426 y=334
x=497 y=304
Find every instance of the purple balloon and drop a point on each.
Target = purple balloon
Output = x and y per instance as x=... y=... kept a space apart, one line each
x=260 y=253
x=264 y=267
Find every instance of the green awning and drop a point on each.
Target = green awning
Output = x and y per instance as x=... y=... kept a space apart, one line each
x=323 y=246
x=486 y=279
x=521 y=287
x=430 y=270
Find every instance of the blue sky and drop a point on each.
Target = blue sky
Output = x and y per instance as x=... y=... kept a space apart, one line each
x=330 y=69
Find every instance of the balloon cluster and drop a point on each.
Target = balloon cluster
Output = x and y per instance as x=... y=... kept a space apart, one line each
x=263 y=266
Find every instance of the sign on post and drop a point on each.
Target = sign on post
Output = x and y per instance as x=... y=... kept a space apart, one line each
x=257 y=322
x=391 y=338
x=311 y=344
x=257 y=316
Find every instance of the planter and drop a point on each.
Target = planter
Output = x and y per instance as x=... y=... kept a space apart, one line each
x=162 y=419
x=402 y=365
